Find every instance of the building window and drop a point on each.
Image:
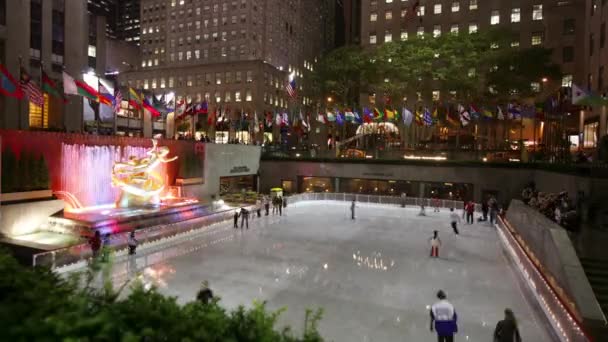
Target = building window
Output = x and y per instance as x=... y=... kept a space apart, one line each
x=437 y=31
x=388 y=37
x=535 y=86
x=92 y=51
x=248 y=97
x=590 y=135
x=495 y=17
x=454 y=29
x=568 y=54
x=249 y=76
x=420 y=32
x=537 y=12
x=421 y=11
x=227 y=97
x=515 y=43
x=515 y=15
x=218 y=78
x=188 y=55
x=372 y=39
x=237 y=96
x=569 y=26
x=537 y=38
x=403 y=35
x=373 y=17
x=388 y=15
x=171 y=82
x=162 y=83
x=455 y=6
x=437 y=9
x=567 y=81
x=472 y=28
x=472 y=5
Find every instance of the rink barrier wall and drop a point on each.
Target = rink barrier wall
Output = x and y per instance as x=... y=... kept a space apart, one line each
x=71 y=256
x=566 y=323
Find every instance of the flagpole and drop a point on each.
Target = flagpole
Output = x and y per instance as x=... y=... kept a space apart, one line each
x=42 y=89
x=98 y=108
x=19 y=100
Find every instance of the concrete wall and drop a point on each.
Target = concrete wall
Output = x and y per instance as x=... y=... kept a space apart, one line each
x=509 y=182
x=25 y=218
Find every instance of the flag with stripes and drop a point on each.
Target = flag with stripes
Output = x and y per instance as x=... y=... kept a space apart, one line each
x=291 y=86
x=117 y=100
x=31 y=90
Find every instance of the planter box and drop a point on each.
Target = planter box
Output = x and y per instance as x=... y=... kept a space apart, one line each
x=26 y=196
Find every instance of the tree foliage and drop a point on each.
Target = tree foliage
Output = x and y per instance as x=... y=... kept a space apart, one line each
x=478 y=67
x=38 y=305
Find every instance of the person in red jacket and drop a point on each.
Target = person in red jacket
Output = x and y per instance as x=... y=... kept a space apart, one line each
x=470 y=209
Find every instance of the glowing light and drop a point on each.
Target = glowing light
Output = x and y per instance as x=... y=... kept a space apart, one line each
x=413 y=157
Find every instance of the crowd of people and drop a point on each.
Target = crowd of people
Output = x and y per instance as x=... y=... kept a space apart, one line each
x=558 y=207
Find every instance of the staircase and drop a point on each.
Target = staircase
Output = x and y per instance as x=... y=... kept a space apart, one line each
x=597 y=273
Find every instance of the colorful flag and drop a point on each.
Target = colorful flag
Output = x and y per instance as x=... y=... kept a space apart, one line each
x=408 y=117
x=303 y=122
x=331 y=117
x=349 y=115
x=435 y=114
x=49 y=86
x=202 y=108
x=117 y=100
x=419 y=118
x=135 y=99
x=368 y=116
x=428 y=118
x=104 y=96
x=269 y=119
x=321 y=118
x=488 y=114
x=465 y=117
x=389 y=114
x=30 y=89
x=180 y=107
x=514 y=111
x=474 y=111
x=452 y=118
x=8 y=84
x=339 y=118
x=285 y=120
x=358 y=119
x=500 y=115
x=148 y=106
x=291 y=87
x=76 y=87
x=278 y=119
x=211 y=118
x=69 y=85
x=378 y=114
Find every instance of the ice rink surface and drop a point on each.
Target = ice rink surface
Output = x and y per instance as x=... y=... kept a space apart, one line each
x=372 y=276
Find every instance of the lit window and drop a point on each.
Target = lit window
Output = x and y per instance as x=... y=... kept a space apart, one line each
x=373 y=17
x=372 y=39
x=535 y=86
x=154 y=83
x=197 y=54
x=227 y=98
x=218 y=78
x=472 y=28
x=249 y=76
x=515 y=43
x=567 y=81
x=455 y=6
x=537 y=12
x=437 y=31
x=188 y=55
x=388 y=15
x=515 y=15
x=92 y=51
x=436 y=95
x=389 y=1
x=537 y=38
x=171 y=82
x=237 y=96
x=472 y=5
x=248 y=97
x=420 y=31
x=454 y=29
x=218 y=97
x=420 y=11
x=495 y=17
x=146 y=86
x=404 y=35
x=180 y=56
x=162 y=82
x=437 y=9
x=388 y=37
x=471 y=72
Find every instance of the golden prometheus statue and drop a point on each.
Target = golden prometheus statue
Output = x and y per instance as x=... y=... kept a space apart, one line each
x=139 y=185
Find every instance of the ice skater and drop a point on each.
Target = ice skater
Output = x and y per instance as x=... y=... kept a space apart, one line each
x=506 y=330
x=132 y=243
x=352 y=210
x=236 y=219
x=436 y=203
x=444 y=320
x=403 y=199
x=258 y=207
x=280 y=203
x=266 y=204
x=244 y=218
x=435 y=244
x=493 y=204
x=422 y=210
x=454 y=220
x=470 y=210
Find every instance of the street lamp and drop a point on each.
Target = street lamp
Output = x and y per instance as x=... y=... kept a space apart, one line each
x=329 y=99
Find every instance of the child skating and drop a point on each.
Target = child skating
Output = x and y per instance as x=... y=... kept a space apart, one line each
x=454 y=220
x=435 y=244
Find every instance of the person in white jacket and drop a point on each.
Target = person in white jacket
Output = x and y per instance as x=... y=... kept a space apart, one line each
x=454 y=220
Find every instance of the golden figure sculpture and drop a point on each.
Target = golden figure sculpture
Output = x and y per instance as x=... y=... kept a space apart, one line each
x=139 y=185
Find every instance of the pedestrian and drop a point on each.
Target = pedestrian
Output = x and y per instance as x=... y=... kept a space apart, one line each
x=280 y=205
x=236 y=219
x=506 y=330
x=484 y=210
x=95 y=244
x=275 y=209
x=132 y=243
x=470 y=209
x=205 y=294
x=435 y=244
x=352 y=210
x=403 y=199
x=444 y=319
x=493 y=209
x=266 y=204
x=244 y=217
x=436 y=203
x=454 y=220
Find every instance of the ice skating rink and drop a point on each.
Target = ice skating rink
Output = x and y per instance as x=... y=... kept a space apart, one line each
x=372 y=276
